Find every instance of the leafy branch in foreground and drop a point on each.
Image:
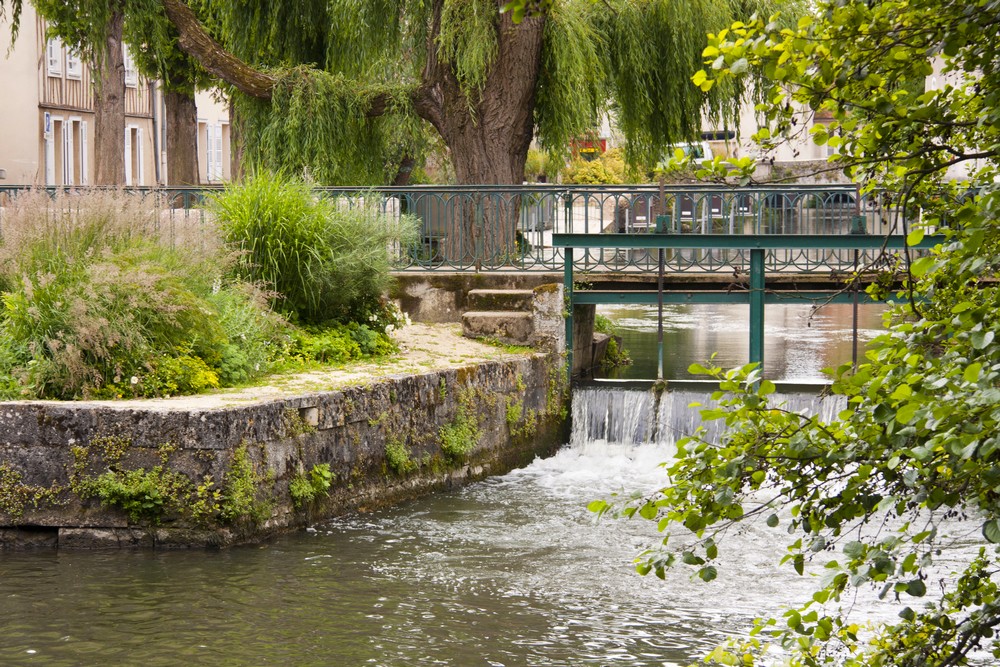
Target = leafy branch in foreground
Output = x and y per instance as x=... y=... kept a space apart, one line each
x=868 y=498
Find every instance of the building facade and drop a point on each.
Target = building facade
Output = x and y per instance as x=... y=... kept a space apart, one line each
x=47 y=117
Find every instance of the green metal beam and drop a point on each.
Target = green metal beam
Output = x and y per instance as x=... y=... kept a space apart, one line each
x=741 y=241
x=720 y=297
x=569 y=297
x=757 y=306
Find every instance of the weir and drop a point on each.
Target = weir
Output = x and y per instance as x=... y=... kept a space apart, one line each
x=633 y=416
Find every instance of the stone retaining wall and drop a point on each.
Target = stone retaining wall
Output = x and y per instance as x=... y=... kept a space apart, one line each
x=107 y=475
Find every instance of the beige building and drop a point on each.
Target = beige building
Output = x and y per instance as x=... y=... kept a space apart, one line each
x=47 y=117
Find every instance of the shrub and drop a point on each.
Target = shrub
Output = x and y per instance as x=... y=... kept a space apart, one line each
x=326 y=259
x=608 y=169
x=100 y=304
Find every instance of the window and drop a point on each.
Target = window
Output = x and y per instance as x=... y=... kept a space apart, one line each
x=131 y=73
x=213 y=152
x=74 y=69
x=134 y=167
x=54 y=56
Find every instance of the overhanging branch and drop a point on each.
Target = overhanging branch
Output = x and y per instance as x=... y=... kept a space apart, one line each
x=196 y=42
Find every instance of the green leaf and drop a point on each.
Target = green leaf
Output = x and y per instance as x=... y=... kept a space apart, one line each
x=708 y=573
x=772 y=520
x=972 y=372
x=905 y=414
x=991 y=531
x=915 y=237
x=980 y=339
x=916 y=588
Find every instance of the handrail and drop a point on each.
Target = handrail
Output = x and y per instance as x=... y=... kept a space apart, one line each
x=511 y=228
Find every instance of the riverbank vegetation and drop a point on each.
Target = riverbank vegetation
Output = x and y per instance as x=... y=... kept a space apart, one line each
x=107 y=296
x=898 y=497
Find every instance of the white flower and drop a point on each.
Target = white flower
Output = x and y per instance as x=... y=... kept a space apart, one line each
x=389 y=328
x=134 y=380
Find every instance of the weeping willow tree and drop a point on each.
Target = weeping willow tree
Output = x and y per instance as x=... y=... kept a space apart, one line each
x=327 y=85
x=334 y=87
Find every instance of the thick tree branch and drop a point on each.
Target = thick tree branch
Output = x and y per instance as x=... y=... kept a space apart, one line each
x=196 y=42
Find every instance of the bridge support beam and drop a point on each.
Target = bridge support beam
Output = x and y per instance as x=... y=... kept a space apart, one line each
x=568 y=297
x=757 y=306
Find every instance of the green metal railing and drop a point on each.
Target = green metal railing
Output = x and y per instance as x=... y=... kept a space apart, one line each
x=511 y=228
x=757 y=246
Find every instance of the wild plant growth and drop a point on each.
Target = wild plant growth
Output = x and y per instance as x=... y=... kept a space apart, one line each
x=325 y=259
x=107 y=296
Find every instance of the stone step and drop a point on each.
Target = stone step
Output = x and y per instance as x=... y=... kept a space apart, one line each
x=501 y=299
x=512 y=327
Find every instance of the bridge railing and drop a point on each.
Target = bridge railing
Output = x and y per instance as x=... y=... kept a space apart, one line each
x=510 y=228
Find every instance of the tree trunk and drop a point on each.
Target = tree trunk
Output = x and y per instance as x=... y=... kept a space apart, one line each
x=109 y=108
x=489 y=141
x=182 y=138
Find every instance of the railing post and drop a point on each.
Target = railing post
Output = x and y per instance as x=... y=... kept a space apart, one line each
x=568 y=305
x=757 y=306
x=662 y=225
x=857 y=227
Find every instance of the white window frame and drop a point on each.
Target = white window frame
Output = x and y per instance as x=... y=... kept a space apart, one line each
x=213 y=152
x=74 y=66
x=54 y=56
x=67 y=156
x=132 y=179
x=131 y=73
x=50 y=149
x=84 y=153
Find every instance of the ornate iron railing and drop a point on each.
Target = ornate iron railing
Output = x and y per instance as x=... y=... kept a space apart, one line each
x=510 y=228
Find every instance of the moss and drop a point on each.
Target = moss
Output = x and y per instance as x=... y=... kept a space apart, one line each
x=295 y=424
x=16 y=496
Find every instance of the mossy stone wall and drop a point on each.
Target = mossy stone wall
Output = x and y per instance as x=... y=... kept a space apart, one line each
x=101 y=474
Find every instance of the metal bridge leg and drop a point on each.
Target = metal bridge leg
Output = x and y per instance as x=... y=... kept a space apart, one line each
x=568 y=305
x=757 y=306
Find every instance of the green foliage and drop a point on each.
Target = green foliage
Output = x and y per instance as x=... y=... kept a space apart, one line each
x=15 y=495
x=397 y=457
x=648 y=45
x=317 y=124
x=571 y=92
x=461 y=435
x=145 y=495
x=468 y=42
x=609 y=169
x=541 y=166
x=244 y=500
x=304 y=489
x=98 y=303
x=328 y=260
x=916 y=450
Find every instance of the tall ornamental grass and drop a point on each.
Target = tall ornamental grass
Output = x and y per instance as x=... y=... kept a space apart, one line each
x=326 y=260
x=99 y=302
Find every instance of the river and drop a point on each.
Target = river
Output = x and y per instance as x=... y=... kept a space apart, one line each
x=511 y=571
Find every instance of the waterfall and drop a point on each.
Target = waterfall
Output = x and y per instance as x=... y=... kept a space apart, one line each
x=633 y=417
